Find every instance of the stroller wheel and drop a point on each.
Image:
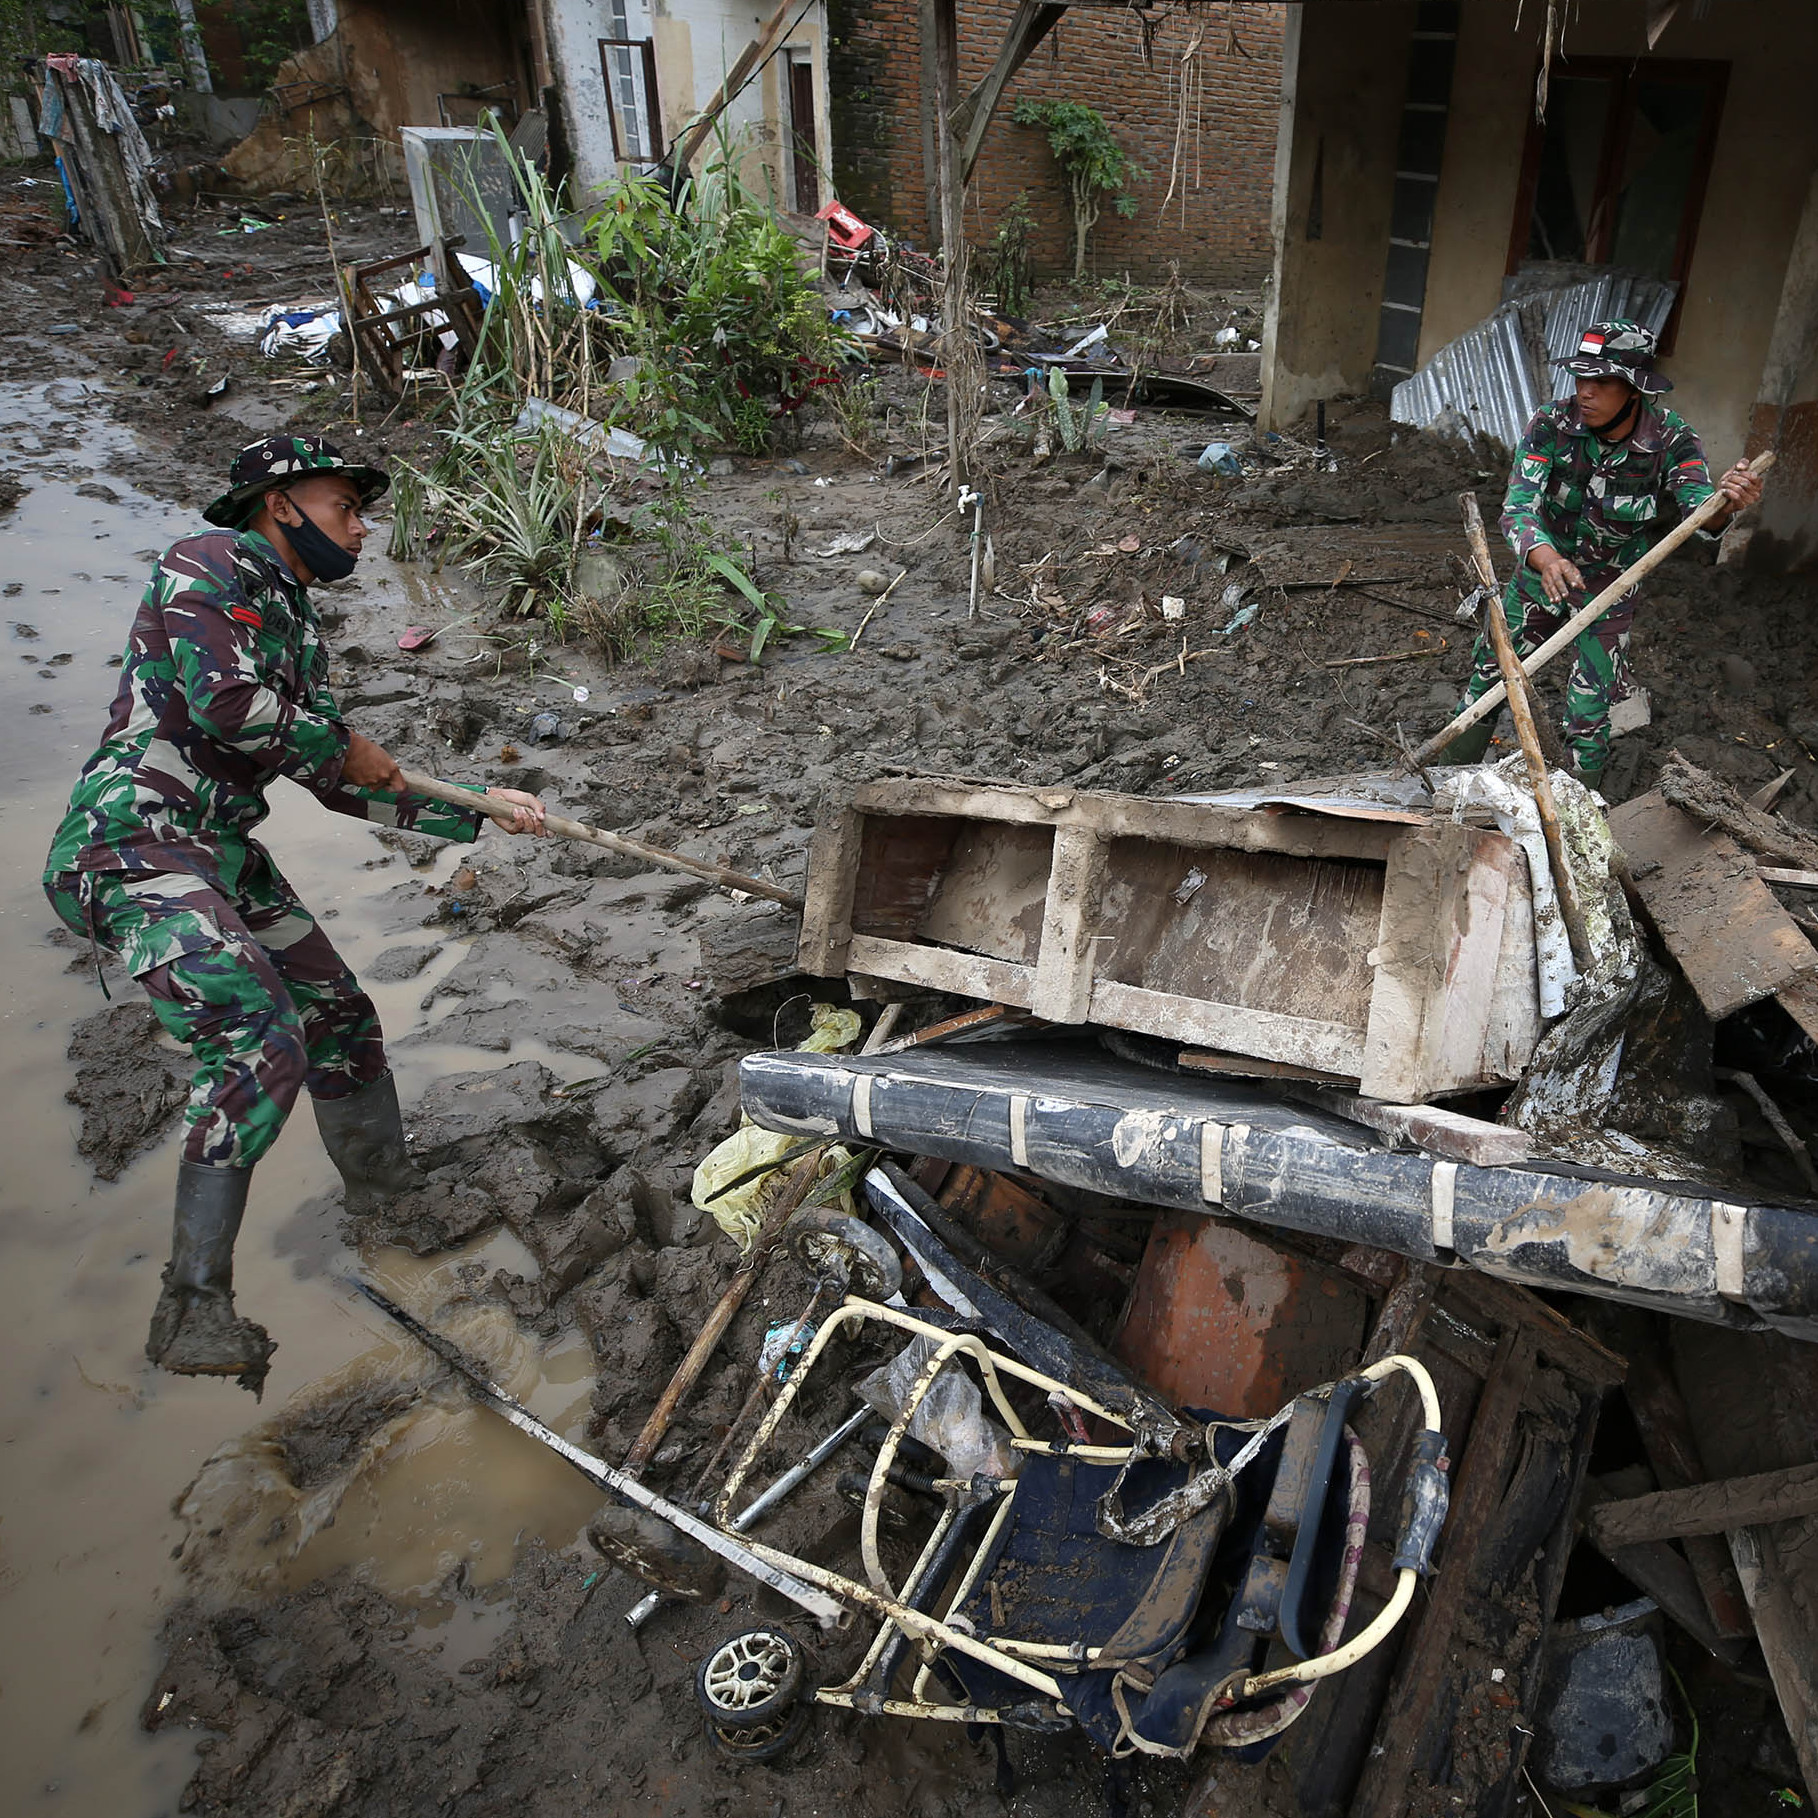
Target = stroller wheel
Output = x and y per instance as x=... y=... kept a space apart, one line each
x=753 y=1680
x=834 y=1244
x=764 y=1743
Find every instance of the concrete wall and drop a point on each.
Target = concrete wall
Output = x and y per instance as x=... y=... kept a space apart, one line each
x=1766 y=151
x=1221 y=234
x=1343 y=72
x=697 y=42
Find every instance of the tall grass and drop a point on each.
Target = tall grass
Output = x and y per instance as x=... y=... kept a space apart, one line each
x=692 y=325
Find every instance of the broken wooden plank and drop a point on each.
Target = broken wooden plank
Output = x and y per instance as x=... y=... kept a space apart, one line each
x=1063 y=966
x=1783 y=1628
x=1708 y=1508
x=1664 y=1574
x=941 y=969
x=1800 y=1001
x=1665 y=1425
x=1304 y=1041
x=967 y=1026
x=1430 y=1127
x=1733 y=941
x=1779 y=874
x=1559 y=1341
x=1421 y=1675
x=1246 y=1066
x=827 y=892
x=1437 y=959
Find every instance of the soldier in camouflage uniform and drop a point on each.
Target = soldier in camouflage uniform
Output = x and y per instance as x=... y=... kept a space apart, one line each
x=1598 y=478
x=224 y=688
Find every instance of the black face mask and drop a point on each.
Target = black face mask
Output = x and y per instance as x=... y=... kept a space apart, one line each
x=325 y=558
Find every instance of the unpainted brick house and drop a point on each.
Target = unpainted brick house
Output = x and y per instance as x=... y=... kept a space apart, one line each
x=1193 y=95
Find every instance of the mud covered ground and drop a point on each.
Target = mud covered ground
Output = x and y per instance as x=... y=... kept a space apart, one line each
x=332 y=1696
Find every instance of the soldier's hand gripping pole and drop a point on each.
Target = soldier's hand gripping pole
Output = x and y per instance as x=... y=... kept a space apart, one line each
x=1588 y=614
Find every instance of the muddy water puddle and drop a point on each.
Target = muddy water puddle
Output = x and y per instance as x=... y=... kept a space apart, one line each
x=96 y=1445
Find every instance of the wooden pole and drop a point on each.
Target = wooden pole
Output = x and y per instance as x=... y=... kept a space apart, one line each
x=955 y=310
x=688 y=1371
x=559 y=824
x=1587 y=615
x=1521 y=708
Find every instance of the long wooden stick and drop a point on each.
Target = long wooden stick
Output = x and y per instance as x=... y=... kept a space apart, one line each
x=688 y=1371
x=621 y=843
x=1521 y=707
x=1588 y=614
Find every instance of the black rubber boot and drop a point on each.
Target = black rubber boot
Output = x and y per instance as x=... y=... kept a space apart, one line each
x=364 y=1136
x=195 y=1331
x=1470 y=745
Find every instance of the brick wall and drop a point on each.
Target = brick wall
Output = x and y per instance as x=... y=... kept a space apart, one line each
x=1095 y=56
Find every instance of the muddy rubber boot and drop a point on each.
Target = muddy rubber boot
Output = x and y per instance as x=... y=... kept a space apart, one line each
x=1470 y=746
x=364 y=1136
x=194 y=1330
x=1592 y=779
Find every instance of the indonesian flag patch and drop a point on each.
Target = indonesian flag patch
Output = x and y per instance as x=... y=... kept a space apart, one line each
x=1592 y=342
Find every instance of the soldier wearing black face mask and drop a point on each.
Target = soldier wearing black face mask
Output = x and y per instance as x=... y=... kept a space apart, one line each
x=223 y=689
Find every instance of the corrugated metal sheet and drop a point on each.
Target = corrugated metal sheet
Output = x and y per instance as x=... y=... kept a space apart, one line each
x=1493 y=378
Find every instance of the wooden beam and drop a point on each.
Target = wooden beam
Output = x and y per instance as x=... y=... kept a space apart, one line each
x=1421 y=1676
x=1663 y=1573
x=1665 y=1426
x=1708 y=1508
x=748 y=59
x=1033 y=21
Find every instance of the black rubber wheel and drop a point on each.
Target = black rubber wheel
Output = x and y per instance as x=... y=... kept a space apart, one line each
x=750 y=1681
x=836 y=1246
x=764 y=1743
x=649 y=1548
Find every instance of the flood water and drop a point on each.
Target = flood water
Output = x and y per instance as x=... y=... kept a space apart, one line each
x=95 y=1445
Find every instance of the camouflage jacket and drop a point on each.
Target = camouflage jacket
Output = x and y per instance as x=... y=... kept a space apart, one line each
x=1601 y=505
x=224 y=687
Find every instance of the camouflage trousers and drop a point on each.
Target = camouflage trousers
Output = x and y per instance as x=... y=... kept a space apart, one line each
x=248 y=982
x=1599 y=677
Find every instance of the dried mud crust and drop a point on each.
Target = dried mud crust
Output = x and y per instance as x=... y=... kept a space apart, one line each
x=333 y=1700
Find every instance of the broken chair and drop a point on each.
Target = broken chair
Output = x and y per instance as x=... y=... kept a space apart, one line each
x=1159 y=1590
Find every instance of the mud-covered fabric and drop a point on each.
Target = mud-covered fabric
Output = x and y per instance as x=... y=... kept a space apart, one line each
x=223 y=688
x=1598 y=678
x=248 y=982
x=1603 y=506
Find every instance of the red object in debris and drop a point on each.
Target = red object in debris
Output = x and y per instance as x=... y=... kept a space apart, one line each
x=1223 y=1319
x=113 y=297
x=844 y=228
x=165 y=362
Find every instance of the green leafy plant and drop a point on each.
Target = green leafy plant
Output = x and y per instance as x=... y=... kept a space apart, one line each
x=1078 y=429
x=1011 y=275
x=1091 y=160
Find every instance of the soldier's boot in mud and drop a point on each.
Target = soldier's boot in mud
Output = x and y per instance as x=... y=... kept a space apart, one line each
x=195 y=1330
x=1469 y=747
x=1591 y=778
x=364 y=1136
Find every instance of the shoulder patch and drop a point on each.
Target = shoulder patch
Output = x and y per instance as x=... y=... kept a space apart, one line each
x=247 y=616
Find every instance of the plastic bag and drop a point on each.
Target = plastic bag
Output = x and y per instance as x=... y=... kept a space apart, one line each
x=831 y=1029
x=740 y=1213
x=951 y=1417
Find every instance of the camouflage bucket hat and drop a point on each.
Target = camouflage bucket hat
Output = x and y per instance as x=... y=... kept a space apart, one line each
x=280 y=461
x=1618 y=350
